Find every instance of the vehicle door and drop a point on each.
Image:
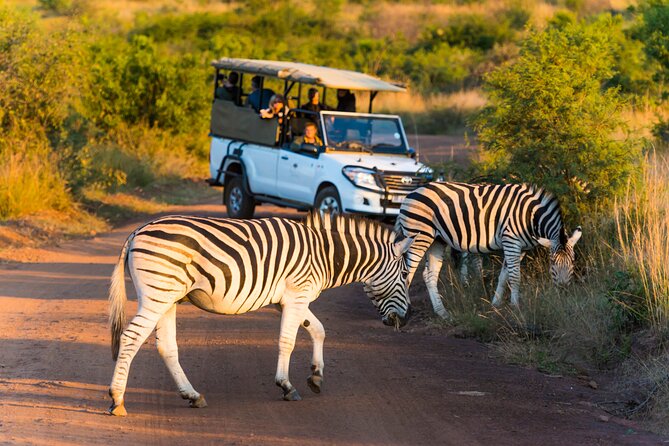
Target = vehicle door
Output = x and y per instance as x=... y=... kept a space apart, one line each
x=295 y=175
x=261 y=167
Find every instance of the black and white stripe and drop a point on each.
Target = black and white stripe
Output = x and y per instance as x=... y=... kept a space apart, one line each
x=234 y=266
x=482 y=218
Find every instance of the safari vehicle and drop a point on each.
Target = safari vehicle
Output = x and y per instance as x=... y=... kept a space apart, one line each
x=364 y=166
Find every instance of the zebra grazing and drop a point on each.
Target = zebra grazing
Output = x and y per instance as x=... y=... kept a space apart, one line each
x=481 y=218
x=233 y=266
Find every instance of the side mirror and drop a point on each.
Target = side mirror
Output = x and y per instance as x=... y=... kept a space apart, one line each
x=412 y=153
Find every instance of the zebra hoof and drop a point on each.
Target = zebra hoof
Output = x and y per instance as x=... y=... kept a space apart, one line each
x=315 y=382
x=199 y=403
x=117 y=410
x=292 y=395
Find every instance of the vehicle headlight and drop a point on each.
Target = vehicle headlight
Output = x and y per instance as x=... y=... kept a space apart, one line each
x=361 y=177
x=426 y=172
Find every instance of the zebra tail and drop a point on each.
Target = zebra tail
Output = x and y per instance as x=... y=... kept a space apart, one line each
x=117 y=299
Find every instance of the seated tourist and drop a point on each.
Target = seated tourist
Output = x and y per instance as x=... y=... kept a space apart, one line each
x=277 y=108
x=345 y=100
x=254 y=98
x=314 y=104
x=230 y=91
x=310 y=137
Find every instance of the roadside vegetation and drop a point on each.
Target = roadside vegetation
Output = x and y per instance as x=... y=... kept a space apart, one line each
x=104 y=115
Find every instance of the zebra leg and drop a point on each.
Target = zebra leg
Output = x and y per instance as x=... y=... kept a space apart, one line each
x=166 y=341
x=292 y=316
x=514 y=278
x=501 y=285
x=317 y=333
x=433 y=261
x=139 y=328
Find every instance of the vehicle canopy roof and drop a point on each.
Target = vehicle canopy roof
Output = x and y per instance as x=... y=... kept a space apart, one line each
x=308 y=74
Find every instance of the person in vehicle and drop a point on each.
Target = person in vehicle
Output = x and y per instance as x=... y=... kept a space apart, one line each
x=310 y=137
x=314 y=104
x=230 y=91
x=259 y=98
x=345 y=100
x=277 y=109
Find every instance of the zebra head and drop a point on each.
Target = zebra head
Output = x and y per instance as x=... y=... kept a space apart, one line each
x=388 y=288
x=562 y=257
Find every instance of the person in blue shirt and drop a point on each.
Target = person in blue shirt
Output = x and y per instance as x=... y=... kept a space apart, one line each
x=258 y=98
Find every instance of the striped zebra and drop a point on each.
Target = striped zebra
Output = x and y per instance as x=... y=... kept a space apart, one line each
x=482 y=218
x=230 y=266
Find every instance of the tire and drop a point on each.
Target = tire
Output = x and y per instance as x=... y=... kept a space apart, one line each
x=239 y=203
x=327 y=200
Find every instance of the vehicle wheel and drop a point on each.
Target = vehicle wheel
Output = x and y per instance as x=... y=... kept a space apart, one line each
x=328 y=200
x=240 y=204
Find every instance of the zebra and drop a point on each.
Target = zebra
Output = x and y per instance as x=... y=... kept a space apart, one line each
x=228 y=266
x=482 y=218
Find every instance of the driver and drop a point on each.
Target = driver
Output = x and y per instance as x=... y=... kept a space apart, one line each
x=310 y=137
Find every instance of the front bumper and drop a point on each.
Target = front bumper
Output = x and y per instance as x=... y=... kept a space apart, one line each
x=362 y=201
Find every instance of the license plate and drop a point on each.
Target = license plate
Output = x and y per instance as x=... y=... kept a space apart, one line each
x=397 y=198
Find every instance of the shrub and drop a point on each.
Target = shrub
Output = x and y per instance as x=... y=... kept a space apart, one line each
x=550 y=122
x=29 y=179
x=654 y=32
x=469 y=31
x=136 y=83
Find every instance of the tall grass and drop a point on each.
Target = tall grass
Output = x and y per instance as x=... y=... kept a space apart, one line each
x=29 y=183
x=642 y=218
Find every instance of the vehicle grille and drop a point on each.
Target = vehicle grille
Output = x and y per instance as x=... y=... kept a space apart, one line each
x=393 y=181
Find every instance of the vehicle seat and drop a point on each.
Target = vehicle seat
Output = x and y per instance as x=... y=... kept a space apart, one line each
x=297 y=125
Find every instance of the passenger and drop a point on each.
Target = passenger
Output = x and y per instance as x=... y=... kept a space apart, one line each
x=277 y=108
x=310 y=137
x=345 y=100
x=231 y=91
x=314 y=104
x=254 y=97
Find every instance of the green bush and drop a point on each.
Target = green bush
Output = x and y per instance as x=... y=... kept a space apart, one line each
x=550 y=122
x=469 y=31
x=29 y=178
x=136 y=83
x=654 y=32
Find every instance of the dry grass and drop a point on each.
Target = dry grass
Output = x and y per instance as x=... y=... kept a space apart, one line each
x=463 y=100
x=29 y=182
x=643 y=226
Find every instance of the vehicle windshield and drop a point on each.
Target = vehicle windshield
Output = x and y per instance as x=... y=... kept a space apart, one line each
x=373 y=134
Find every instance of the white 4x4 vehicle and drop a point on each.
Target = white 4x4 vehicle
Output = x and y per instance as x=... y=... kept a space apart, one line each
x=364 y=166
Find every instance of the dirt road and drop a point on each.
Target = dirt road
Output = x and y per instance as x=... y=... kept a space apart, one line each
x=381 y=387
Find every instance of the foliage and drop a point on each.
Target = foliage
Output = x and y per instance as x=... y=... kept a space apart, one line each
x=137 y=84
x=29 y=179
x=551 y=123
x=468 y=31
x=654 y=32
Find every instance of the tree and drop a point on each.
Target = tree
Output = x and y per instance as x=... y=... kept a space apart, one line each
x=654 y=31
x=550 y=121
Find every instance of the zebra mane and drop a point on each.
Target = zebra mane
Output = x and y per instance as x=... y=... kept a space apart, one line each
x=548 y=197
x=349 y=224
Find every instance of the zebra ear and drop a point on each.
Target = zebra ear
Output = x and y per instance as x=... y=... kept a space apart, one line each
x=546 y=243
x=402 y=246
x=575 y=237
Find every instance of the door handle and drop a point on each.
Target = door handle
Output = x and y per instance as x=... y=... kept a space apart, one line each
x=284 y=157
